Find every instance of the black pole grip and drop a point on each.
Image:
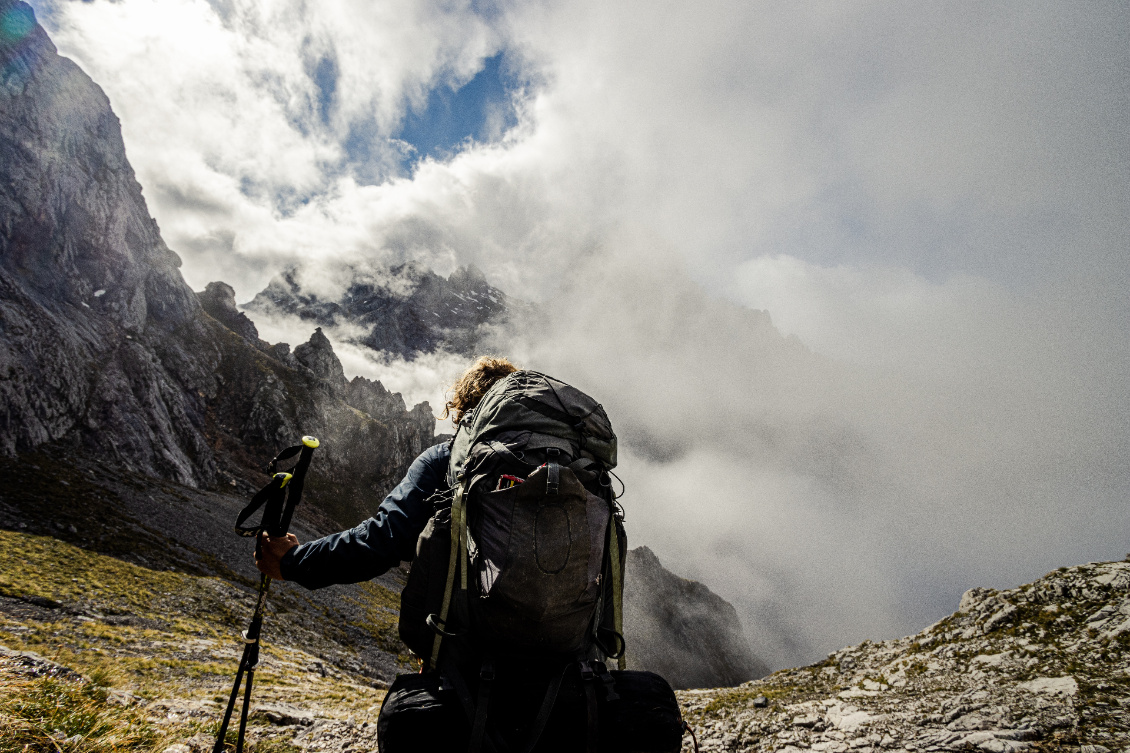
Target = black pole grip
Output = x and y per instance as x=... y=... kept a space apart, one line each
x=294 y=488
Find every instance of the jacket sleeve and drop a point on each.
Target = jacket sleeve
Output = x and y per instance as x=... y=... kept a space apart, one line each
x=381 y=542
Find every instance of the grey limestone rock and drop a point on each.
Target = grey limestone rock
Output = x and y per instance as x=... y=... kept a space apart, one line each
x=372 y=398
x=218 y=300
x=281 y=352
x=1049 y=675
x=681 y=630
x=317 y=354
x=86 y=282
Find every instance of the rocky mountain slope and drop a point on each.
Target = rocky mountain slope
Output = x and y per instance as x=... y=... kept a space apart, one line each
x=403 y=310
x=666 y=619
x=106 y=351
x=1040 y=667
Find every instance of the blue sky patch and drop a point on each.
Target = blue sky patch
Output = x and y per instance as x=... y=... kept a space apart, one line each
x=481 y=110
x=325 y=75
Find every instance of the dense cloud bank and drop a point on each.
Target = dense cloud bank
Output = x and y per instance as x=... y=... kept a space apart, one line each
x=833 y=501
x=929 y=204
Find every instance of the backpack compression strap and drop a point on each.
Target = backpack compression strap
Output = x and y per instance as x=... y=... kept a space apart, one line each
x=617 y=592
x=455 y=556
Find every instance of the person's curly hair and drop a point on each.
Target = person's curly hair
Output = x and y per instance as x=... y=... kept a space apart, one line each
x=469 y=389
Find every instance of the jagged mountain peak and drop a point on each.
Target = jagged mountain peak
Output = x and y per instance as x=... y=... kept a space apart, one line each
x=683 y=630
x=401 y=310
x=76 y=228
x=218 y=300
x=317 y=354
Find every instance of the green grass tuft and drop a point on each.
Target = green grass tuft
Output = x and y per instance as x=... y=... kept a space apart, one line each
x=52 y=714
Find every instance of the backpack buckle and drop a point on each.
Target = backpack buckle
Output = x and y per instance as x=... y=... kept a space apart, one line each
x=553 y=480
x=553 y=468
x=610 y=693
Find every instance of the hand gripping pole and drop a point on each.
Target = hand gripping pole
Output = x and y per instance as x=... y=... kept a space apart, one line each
x=278 y=500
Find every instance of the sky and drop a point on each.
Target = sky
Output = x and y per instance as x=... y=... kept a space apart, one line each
x=850 y=278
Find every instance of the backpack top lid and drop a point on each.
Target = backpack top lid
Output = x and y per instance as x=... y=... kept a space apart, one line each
x=533 y=402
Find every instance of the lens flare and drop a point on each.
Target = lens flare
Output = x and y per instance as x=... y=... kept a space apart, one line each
x=16 y=23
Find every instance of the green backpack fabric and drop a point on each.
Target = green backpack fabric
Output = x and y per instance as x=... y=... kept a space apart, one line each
x=525 y=553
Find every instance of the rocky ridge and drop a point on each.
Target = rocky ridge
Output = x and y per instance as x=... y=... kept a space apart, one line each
x=1040 y=667
x=666 y=619
x=403 y=310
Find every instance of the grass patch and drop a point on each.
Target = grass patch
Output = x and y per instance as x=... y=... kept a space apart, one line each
x=163 y=634
x=52 y=714
x=741 y=697
x=41 y=567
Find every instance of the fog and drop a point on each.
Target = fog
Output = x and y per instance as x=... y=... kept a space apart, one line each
x=850 y=279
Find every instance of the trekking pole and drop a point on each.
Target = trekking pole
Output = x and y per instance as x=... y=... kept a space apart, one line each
x=278 y=499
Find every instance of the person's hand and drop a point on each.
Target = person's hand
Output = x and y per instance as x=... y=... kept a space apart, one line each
x=270 y=552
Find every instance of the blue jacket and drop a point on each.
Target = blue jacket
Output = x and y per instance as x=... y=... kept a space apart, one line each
x=381 y=542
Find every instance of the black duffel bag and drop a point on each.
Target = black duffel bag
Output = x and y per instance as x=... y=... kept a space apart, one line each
x=423 y=713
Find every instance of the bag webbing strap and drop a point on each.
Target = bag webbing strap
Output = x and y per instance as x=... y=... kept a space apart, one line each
x=479 y=726
x=450 y=672
x=464 y=557
x=617 y=591
x=546 y=709
x=272 y=495
x=502 y=450
x=592 y=733
x=287 y=454
x=452 y=563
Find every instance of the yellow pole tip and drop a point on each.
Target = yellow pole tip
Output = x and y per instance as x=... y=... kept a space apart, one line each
x=311 y=442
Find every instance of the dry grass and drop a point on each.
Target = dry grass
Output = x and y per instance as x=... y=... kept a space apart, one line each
x=158 y=638
x=53 y=714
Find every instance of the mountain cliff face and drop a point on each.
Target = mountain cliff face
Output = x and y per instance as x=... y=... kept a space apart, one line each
x=1040 y=667
x=103 y=347
x=403 y=311
x=85 y=279
x=682 y=630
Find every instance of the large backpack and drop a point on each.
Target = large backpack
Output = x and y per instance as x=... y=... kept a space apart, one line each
x=530 y=569
x=522 y=563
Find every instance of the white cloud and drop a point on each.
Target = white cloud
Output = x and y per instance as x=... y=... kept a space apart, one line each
x=931 y=199
x=221 y=114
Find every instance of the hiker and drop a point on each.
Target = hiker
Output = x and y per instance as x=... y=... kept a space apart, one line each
x=388 y=538
x=514 y=600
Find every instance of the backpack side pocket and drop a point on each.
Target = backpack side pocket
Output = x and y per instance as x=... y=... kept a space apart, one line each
x=423 y=593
